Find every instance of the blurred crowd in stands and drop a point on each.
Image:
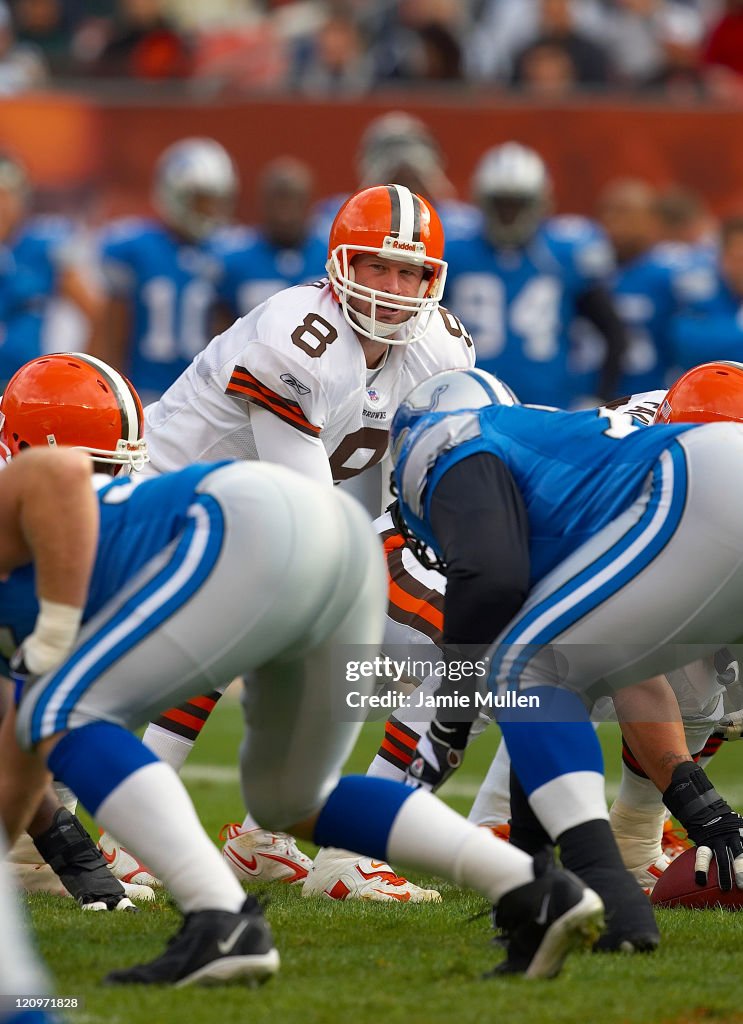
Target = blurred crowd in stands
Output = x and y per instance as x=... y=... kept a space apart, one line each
x=684 y=49
x=567 y=309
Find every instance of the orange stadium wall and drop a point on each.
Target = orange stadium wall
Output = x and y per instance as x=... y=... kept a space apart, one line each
x=108 y=148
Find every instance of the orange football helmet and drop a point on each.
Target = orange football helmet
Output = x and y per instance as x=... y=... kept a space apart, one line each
x=396 y=224
x=708 y=393
x=73 y=399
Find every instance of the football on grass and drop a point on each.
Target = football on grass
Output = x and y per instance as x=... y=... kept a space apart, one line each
x=676 y=887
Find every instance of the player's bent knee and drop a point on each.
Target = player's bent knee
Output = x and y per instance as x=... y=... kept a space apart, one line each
x=280 y=811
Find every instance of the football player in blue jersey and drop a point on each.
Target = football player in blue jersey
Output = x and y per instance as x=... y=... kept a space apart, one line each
x=558 y=531
x=709 y=326
x=170 y=606
x=280 y=251
x=520 y=284
x=42 y=266
x=44 y=500
x=648 y=282
x=400 y=147
x=161 y=274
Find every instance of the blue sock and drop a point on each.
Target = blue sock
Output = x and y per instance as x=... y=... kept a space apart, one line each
x=95 y=759
x=556 y=741
x=359 y=814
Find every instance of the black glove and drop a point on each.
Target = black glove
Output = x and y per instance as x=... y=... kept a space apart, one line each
x=438 y=755
x=20 y=676
x=711 y=823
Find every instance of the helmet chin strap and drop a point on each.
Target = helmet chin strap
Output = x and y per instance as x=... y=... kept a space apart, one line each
x=370 y=324
x=373 y=326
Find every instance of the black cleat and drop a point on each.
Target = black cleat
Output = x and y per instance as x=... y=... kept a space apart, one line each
x=545 y=920
x=73 y=856
x=213 y=947
x=630 y=922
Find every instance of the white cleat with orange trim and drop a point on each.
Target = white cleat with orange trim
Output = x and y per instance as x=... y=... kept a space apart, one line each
x=648 y=874
x=340 y=875
x=674 y=840
x=124 y=865
x=256 y=855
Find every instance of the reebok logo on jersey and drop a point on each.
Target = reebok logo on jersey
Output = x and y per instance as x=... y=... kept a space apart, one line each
x=291 y=380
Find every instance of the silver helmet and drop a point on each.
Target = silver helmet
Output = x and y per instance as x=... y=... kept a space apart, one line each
x=195 y=187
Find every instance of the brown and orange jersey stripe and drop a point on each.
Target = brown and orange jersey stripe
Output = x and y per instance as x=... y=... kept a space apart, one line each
x=244 y=385
x=410 y=602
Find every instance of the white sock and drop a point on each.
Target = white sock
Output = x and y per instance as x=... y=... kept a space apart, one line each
x=638 y=792
x=380 y=768
x=151 y=814
x=570 y=800
x=430 y=836
x=492 y=804
x=21 y=972
x=166 y=745
x=638 y=833
x=249 y=823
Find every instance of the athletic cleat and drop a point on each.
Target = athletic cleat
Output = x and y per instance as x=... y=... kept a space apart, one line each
x=340 y=875
x=630 y=922
x=124 y=865
x=34 y=877
x=545 y=920
x=648 y=875
x=260 y=856
x=500 y=831
x=213 y=947
x=124 y=904
x=674 y=840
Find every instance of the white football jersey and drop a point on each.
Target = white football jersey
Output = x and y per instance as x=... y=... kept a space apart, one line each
x=641 y=407
x=296 y=356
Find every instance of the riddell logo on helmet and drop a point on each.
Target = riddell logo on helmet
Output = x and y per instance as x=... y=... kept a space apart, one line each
x=394 y=244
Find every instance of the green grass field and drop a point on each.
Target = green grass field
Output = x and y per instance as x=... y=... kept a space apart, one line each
x=393 y=964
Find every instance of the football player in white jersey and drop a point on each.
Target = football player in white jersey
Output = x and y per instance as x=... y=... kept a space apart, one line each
x=311 y=379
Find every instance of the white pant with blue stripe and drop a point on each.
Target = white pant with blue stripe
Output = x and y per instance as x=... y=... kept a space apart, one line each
x=659 y=587
x=656 y=589
x=273 y=575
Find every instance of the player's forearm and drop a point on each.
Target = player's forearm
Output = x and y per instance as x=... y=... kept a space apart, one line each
x=651 y=723
x=24 y=778
x=277 y=441
x=597 y=306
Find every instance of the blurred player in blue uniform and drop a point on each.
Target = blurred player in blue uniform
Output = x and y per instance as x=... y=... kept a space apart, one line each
x=558 y=533
x=400 y=148
x=281 y=251
x=168 y=606
x=710 y=326
x=519 y=285
x=41 y=263
x=161 y=274
x=648 y=283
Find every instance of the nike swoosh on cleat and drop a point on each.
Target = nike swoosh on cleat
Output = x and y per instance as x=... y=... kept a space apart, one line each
x=226 y=946
x=249 y=865
x=108 y=857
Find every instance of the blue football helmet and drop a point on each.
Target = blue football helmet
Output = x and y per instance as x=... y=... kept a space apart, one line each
x=448 y=391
